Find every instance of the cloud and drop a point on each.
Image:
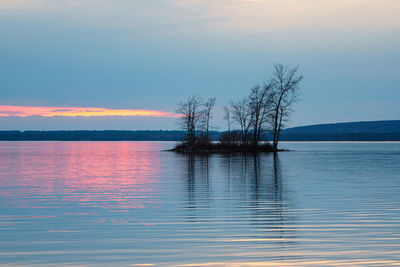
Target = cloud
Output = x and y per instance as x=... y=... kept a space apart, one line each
x=25 y=111
x=239 y=16
x=42 y=3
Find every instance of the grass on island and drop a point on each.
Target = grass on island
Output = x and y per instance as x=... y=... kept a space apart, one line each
x=219 y=147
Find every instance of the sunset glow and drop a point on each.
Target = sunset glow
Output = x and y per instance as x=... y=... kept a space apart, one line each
x=25 y=111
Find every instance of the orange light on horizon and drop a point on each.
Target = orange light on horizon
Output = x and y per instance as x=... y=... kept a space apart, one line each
x=26 y=111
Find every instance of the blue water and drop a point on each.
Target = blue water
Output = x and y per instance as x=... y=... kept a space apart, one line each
x=131 y=203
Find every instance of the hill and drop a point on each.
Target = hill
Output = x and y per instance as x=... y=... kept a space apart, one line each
x=348 y=131
x=392 y=126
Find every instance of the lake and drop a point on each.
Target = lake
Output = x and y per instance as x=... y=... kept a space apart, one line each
x=133 y=204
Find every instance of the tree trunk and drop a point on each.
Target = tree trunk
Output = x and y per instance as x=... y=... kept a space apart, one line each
x=274 y=142
x=278 y=106
x=279 y=132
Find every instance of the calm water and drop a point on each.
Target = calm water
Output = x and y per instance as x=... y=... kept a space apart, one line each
x=130 y=203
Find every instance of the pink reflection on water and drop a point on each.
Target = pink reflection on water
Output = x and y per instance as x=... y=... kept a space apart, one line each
x=116 y=175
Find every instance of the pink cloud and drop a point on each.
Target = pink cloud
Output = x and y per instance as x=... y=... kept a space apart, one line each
x=25 y=111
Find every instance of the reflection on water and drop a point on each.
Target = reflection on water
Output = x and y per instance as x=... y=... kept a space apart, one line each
x=104 y=174
x=130 y=203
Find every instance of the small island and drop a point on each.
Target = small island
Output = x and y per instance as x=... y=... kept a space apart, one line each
x=219 y=147
x=266 y=108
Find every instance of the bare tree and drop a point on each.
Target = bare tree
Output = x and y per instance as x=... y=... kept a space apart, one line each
x=285 y=83
x=190 y=115
x=242 y=115
x=227 y=117
x=260 y=106
x=207 y=114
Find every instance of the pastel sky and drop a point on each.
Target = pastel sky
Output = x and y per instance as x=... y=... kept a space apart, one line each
x=148 y=55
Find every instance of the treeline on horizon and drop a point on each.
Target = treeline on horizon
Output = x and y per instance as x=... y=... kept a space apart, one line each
x=162 y=135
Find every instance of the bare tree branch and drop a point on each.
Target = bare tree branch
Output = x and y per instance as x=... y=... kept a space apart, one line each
x=190 y=116
x=285 y=83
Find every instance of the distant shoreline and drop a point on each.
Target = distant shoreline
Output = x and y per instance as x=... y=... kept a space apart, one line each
x=373 y=131
x=315 y=142
x=179 y=136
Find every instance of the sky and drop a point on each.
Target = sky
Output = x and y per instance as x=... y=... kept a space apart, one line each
x=96 y=64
